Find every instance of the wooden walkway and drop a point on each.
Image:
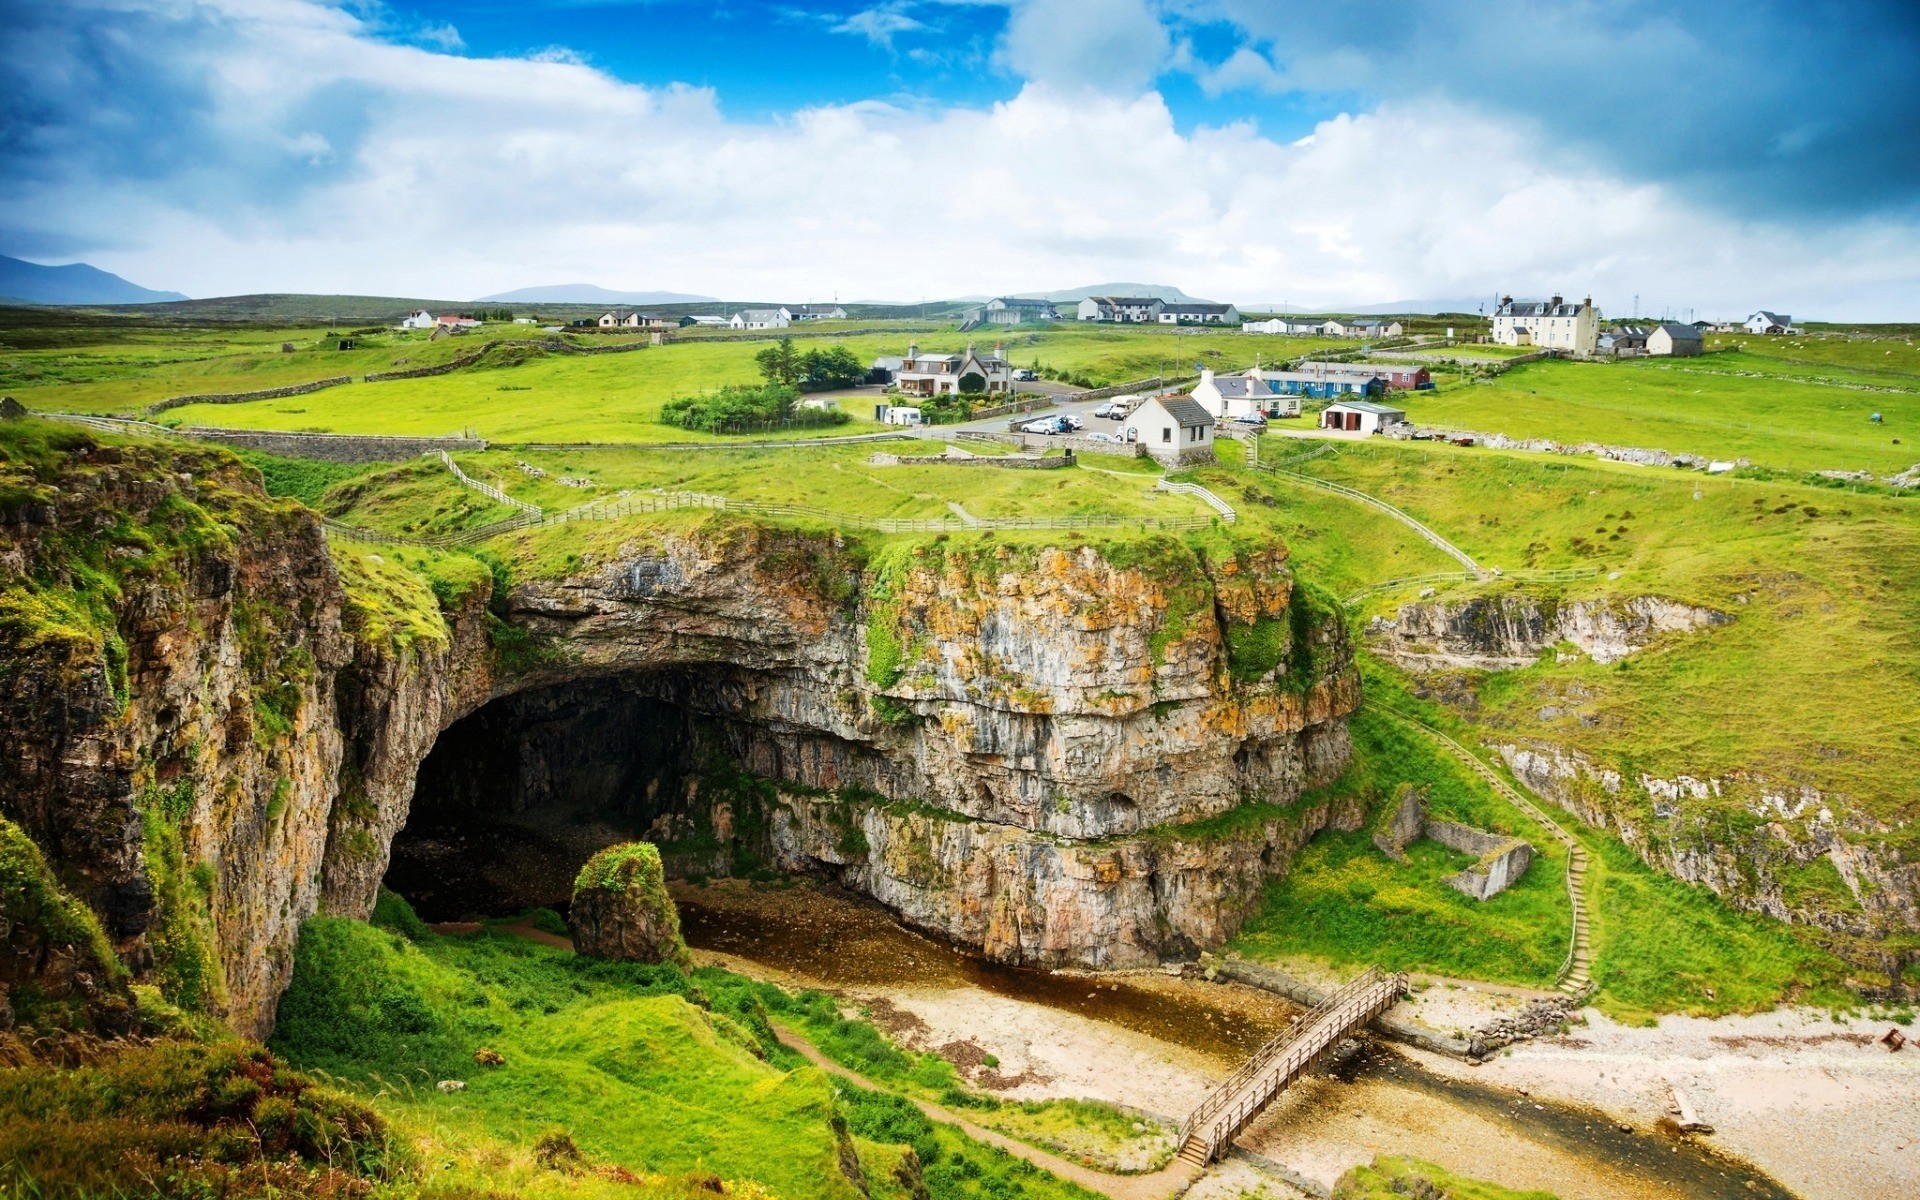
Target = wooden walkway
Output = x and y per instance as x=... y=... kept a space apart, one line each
x=1243 y=1095
x=1576 y=970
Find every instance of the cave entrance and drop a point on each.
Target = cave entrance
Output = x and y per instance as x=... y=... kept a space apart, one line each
x=514 y=797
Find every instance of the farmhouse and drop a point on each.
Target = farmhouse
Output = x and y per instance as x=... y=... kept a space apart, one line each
x=1186 y=313
x=455 y=321
x=620 y=318
x=418 y=319
x=1012 y=310
x=1549 y=324
x=1363 y=416
x=1248 y=394
x=813 y=312
x=1674 y=340
x=1174 y=429
x=1766 y=322
x=949 y=374
x=1136 y=310
x=1376 y=329
x=760 y=318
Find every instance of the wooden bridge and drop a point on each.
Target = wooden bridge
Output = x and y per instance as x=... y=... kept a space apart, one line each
x=1237 y=1101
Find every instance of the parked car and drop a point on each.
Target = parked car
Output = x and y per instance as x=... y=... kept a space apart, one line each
x=1026 y=375
x=1073 y=423
x=1111 y=411
x=1250 y=420
x=1047 y=425
x=1101 y=436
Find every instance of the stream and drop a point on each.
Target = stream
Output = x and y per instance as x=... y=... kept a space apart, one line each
x=1378 y=1101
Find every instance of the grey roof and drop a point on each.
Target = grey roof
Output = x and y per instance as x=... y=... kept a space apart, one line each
x=1020 y=302
x=759 y=314
x=887 y=364
x=1234 y=386
x=1185 y=410
x=1368 y=406
x=1537 y=308
x=1676 y=330
x=1129 y=301
x=1194 y=308
x=1773 y=318
x=814 y=308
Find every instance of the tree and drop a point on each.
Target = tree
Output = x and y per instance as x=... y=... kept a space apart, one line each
x=780 y=363
x=824 y=370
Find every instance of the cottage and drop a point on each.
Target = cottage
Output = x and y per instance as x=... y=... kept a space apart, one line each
x=1550 y=324
x=1764 y=322
x=952 y=374
x=760 y=318
x=1622 y=341
x=1335 y=328
x=1404 y=376
x=1673 y=340
x=1133 y=310
x=1376 y=330
x=455 y=322
x=1014 y=310
x=813 y=312
x=1362 y=416
x=1316 y=381
x=1174 y=429
x=1188 y=313
x=418 y=319
x=1244 y=395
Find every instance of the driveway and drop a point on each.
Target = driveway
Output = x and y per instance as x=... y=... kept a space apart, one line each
x=1064 y=397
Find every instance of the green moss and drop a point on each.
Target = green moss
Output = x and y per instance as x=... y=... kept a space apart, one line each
x=1253 y=651
x=182 y=935
x=32 y=901
x=1395 y=1178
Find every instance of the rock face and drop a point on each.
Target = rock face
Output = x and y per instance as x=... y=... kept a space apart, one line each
x=621 y=909
x=212 y=736
x=1512 y=629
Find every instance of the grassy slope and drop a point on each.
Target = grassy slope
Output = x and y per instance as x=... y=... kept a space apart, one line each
x=620 y=1056
x=1795 y=415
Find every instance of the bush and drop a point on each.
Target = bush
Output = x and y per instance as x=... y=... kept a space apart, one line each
x=743 y=409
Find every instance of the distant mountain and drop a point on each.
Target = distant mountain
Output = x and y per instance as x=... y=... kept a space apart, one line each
x=75 y=283
x=587 y=293
x=1159 y=291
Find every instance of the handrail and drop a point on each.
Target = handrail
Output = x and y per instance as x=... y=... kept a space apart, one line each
x=1206 y=497
x=486 y=489
x=1439 y=542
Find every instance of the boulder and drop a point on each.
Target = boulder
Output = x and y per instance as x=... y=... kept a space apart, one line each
x=621 y=909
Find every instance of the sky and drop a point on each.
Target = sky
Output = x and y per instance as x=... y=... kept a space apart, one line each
x=1705 y=159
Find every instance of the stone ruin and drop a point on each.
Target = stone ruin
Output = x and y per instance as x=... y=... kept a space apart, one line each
x=1501 y=860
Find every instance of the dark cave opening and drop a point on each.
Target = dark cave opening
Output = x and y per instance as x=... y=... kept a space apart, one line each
x=514 y=797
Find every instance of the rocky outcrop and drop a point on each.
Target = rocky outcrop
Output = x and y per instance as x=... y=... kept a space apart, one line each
x=1763 y=846
x=621 y=909
x=1512 y=629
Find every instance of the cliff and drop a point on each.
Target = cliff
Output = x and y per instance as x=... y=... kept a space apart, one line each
x=215 y=722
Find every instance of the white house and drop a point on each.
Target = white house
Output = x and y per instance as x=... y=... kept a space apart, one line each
x=1549 y=324
x=814 y=312
x=760 y=318
x=949 y=374
x=1675 y=340
x=1174 y=429
x=1012 y=310
x=1230 y=396
x=1376 y=329
x=1188 y=313
x=418 y=319
x=1363 y=416
x=1766 y=322
x=1126 y=310
x=455 y=321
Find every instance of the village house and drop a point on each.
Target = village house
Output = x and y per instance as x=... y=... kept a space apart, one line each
x=1174 y=429
x=1548 y=324
x=760 y=318
x=1765 y=322
x=455 y=322
x=1375 y=330
x=1360 y=416
x=1407 y=377
x=1243 y=395
x=1196 y=313
x=1321 y=385
x=703 y=322
x=951 y=374
x=1669 y=339
x=620 y=318
x=1622 y=341
x=813 y=312
x=1134 y=310
x=1010 y=310
x=418 y=319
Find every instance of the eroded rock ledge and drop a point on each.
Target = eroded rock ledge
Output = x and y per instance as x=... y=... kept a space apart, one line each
x=1512 y=629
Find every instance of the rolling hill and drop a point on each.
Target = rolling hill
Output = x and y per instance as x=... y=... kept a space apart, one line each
x=74 y=283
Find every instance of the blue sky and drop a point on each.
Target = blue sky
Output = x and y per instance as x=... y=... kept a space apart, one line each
x=1715 y=156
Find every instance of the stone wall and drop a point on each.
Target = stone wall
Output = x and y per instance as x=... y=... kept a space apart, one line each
x=331 y=447
x=1015 y=462
x=297 y=389
x=1502 y=860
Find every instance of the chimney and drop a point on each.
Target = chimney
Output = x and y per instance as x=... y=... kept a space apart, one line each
x=1587 y=303
x=913 y=352
x=1555 y=302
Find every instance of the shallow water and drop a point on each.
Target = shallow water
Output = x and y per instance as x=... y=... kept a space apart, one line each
x=1376 y=1101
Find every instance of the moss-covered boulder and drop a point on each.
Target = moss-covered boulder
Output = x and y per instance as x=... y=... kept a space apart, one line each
x=1395 y=1178
x=621 y=909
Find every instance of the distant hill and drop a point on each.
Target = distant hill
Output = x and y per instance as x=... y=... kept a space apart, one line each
x=1159 y=291
x=587 y=293
x=1398 y=308
x=75 y=283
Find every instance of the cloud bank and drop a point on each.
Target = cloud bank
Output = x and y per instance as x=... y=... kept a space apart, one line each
x=227 y=146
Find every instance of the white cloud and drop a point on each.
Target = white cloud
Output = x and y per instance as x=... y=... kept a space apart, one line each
x=470 y=176
x=879 y=25
x=1113 y=46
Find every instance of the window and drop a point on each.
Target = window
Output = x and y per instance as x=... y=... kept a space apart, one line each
x=1166 y=435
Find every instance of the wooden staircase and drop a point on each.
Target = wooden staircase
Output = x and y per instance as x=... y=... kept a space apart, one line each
x=1244 y=1094
x=1576 y=970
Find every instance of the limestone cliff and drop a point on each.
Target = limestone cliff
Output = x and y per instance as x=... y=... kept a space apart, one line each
x=1512 y=629
x=213 y=723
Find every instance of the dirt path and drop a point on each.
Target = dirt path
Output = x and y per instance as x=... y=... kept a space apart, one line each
x=1165 y=1182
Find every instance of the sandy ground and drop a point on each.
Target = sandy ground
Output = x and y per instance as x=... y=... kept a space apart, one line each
x=1821 y=1106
